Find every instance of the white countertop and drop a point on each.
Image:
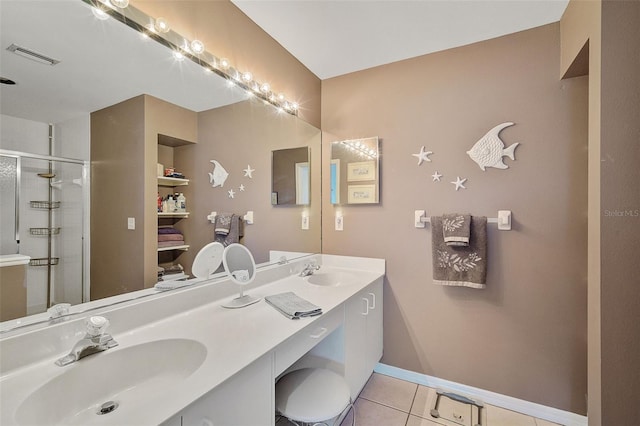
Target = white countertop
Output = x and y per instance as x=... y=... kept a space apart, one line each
x=234 y=338
x=13 y=260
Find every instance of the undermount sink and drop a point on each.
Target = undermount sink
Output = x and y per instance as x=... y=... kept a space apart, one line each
x=332 y=278
x=123 y=375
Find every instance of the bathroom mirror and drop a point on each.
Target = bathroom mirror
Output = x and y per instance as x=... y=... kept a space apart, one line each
x=102 y=63
x=241 y=268
x=290 y=177
x=355 y=171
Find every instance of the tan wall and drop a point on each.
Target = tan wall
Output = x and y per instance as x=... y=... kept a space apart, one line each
x=239 y=135
x=525 y=334
x=580 y=24
x=117 y=193
x=228 y=33
x=619 y=195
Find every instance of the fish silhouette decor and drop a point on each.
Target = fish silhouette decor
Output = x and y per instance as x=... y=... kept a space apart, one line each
x=489 y=150
x=219 y=174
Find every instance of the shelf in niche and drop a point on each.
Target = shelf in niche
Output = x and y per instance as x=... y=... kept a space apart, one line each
x=175 y=214
x=172 y=182
x=184 y=247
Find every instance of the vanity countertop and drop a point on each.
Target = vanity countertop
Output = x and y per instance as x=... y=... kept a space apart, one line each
x=234 y=338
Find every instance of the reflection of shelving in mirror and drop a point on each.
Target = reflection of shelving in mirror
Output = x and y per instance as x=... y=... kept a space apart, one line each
x=172 y=182
x=184 y=247
x=174 y=214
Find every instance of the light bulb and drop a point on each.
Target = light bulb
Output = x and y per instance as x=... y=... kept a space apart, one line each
x=265 y=88
x=197 y=47
x=120 y=3
x=294 y=106
x=99 y=13
x=161 y=25
x=224 y=63
x=281 y=97
x=247 y=76
x=178 y=56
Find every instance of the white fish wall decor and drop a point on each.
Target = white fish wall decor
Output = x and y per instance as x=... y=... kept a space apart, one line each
x=489 y=150
x=219 y=174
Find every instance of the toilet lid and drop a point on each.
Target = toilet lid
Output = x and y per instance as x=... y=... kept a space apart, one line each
x=312 y=395
x=207 y=260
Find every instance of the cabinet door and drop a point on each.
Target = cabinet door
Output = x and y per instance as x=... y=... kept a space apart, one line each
x=374 y=323
x=245 y=399
x=359 y=355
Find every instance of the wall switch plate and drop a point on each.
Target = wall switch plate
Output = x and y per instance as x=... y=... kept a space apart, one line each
x=339 y=223
x=305 y=222
x=131 y=223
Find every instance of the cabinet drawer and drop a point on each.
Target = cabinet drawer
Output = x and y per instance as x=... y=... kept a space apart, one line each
x=299 y=344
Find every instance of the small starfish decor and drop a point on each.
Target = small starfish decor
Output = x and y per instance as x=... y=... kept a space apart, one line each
x=232 y=193
x=248 y=172
x=423 y=155
x=459 y=183
x=436 y=176
x=241 y=187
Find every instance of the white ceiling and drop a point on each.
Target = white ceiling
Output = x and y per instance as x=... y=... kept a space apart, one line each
x=101 y=63
x=336 y=37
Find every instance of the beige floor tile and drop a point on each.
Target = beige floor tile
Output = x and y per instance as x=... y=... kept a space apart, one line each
x=540 y=422
x=419 y=421
x=371 y=414
x=389 y=391
x=497 y=416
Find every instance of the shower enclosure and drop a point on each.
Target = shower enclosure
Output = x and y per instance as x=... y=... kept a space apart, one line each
x=44 y=203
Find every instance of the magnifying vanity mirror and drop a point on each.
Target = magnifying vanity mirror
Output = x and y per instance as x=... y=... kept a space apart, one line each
x=104 y=63
x=241 y=268
x=290 y=177
x=355 y=171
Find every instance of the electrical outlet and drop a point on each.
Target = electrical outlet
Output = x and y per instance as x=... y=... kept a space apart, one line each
x=305 y=222
x=339 y=223
x=131 y=223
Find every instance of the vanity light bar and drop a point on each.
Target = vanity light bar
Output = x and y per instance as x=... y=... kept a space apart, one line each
x=134 y=18
x=30 y=54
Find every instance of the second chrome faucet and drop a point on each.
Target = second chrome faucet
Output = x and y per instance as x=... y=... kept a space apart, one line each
x=95 y=340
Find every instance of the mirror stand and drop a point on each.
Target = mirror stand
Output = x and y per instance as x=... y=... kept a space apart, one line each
x=241 y=267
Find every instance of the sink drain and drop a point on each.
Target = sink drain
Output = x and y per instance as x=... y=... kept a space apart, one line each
x=107 y=407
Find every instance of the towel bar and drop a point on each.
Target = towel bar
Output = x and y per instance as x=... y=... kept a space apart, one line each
x=248 y=218
x=503 y=220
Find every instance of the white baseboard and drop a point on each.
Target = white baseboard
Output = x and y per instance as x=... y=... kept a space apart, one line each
x=525 y=407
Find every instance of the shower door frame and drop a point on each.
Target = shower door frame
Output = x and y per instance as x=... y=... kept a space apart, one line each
x=86 y=205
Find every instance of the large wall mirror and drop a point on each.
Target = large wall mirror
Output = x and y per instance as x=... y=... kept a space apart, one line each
x=105 y=64
x=355 y=171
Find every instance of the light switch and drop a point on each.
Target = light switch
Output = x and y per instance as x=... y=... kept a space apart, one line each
x=131 y=223
x=339 y=222
x=305 y=223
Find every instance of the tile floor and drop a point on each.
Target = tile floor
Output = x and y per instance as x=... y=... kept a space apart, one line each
x=387 y=401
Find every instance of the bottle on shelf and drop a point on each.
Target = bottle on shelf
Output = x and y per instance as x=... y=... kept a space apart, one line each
x=182 y=203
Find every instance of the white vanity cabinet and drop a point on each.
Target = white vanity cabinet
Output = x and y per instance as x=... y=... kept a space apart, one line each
x=363 y=336
x=245 y=399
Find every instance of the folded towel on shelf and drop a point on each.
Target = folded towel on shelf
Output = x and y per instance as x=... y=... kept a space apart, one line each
x=163 y=244
x=456 y=229
x=168 y=231
x=170 y=237
x=292 y=306
x=460 y=266
x=235 y=231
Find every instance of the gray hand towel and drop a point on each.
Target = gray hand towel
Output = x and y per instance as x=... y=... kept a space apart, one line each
x=460 y=266
x=456 y=229
x=223 y=223
x=292 y=306
x=235 y=230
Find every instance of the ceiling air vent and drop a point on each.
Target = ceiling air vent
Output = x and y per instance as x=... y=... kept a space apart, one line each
x=30 y=54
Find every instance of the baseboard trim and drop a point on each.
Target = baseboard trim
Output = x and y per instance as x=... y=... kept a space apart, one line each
x=529 y=408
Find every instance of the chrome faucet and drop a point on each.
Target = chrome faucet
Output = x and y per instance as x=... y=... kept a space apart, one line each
x=96 y=340
x=309 y=269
